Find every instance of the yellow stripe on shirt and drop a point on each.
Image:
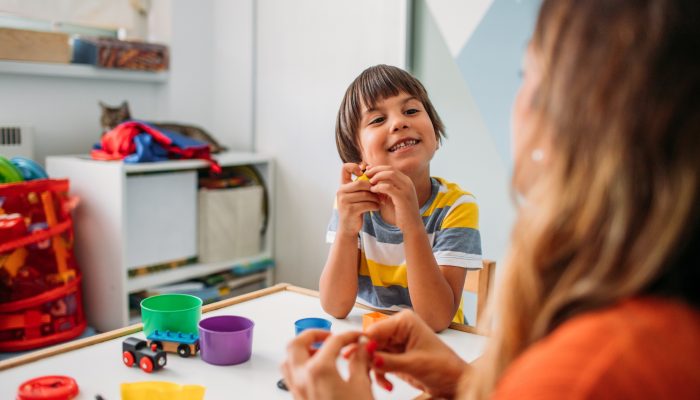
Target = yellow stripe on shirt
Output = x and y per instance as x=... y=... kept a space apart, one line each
x=384 y=275
x=391 y=275
x=465 y=215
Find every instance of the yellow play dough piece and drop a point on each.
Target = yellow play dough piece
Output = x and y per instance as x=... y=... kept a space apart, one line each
x=161 y=391
x=362 y=177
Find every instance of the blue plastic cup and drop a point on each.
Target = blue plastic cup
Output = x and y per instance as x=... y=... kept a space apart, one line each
x=311 y=323
x=303 y=324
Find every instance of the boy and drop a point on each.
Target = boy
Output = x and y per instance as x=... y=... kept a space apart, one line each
x=400 y=238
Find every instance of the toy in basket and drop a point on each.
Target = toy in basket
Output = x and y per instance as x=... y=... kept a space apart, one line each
x=40 y=294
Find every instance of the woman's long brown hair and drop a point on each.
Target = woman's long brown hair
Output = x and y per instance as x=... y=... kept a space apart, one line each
x=616 y=213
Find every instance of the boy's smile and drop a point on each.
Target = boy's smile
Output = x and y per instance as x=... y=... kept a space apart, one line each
x=398 y=132
x=402 y=144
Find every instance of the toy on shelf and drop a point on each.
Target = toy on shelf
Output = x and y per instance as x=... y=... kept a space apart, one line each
x=184 y=344
x=137 y=351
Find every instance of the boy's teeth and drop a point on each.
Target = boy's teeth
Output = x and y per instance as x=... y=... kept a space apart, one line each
x=402 y=145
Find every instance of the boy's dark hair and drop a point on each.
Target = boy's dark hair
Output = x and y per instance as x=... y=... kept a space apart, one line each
x=374 y=84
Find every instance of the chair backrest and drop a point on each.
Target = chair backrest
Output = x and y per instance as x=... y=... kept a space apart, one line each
x=481 y=282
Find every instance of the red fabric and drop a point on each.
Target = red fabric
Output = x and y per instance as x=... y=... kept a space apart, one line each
x=119 y=142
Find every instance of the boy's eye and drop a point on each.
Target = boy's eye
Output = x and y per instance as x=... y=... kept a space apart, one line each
x=377 y=120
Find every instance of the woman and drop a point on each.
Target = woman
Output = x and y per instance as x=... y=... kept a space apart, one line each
x=600 y=297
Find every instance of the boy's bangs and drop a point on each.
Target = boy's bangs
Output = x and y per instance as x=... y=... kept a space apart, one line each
x=382 y=84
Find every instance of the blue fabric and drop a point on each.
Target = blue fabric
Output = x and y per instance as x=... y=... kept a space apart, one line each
x=146 y=150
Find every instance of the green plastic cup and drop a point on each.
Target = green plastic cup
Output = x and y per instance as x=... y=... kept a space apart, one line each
x=171 y=312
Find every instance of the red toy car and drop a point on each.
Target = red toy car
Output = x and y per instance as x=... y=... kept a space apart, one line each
x=136 y=351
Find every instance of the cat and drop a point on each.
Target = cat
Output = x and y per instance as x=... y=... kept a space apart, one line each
x=113 y=116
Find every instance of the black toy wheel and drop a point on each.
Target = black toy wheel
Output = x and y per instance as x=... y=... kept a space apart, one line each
x=184 y=350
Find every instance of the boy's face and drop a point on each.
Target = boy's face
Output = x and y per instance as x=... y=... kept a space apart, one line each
x=398 y=132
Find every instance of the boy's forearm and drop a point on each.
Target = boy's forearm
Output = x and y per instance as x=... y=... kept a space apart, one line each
x=431 y=294
x=338 y=283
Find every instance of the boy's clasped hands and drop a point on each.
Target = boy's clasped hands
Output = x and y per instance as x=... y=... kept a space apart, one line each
x=403 y=345
x=377 y=187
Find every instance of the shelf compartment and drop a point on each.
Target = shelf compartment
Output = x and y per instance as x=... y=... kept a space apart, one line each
x=191 y=271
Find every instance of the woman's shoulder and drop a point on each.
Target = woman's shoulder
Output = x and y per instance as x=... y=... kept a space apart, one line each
x=640 y=348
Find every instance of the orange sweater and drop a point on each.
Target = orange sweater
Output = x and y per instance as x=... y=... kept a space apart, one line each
x=640 y=349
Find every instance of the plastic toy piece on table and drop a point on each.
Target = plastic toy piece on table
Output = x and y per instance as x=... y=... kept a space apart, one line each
x=372 y=318
x=53 y=387
x=161 y=391
x=137 y=351
x=184 y=344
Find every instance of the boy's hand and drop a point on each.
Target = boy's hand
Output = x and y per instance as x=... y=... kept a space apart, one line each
x=399 y=189
x=353 y=199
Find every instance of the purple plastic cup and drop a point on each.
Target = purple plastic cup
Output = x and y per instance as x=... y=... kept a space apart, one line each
x=226 y=339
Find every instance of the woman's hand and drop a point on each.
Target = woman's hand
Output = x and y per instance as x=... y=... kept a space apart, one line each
x=313 y=374
x=353 y=199
x=407 y=347
x=399 y=189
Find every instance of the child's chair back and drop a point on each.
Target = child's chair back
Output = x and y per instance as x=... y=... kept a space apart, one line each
x=481 y=282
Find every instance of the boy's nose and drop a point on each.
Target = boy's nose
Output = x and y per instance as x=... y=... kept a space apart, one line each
x=398 y=124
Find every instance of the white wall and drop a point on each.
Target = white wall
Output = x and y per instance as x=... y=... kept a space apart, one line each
x=64 y=111
x=211 y=68
x=308 y=53
x=210 y=83
x=471 y=155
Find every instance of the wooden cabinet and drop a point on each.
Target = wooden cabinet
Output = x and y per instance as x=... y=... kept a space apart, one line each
x=132 y=215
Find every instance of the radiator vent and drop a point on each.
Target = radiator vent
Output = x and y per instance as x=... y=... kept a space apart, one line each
x=10 y=135
x=16 y=140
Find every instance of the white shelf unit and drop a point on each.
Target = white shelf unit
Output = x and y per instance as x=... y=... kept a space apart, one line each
x=81 y=71
x=101 y=219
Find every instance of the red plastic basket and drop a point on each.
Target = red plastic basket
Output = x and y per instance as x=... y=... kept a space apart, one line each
x=40 y=293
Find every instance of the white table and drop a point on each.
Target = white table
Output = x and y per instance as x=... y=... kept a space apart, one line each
x=95 y=362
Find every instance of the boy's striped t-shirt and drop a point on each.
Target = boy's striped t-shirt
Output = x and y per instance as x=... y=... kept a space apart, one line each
x=451 y=219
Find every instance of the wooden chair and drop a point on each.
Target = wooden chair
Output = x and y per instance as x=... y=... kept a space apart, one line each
x=481 y=282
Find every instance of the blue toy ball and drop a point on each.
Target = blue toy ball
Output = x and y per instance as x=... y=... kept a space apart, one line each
x=30 y=170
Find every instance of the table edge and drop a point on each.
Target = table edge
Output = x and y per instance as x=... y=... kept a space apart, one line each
x=128 y=330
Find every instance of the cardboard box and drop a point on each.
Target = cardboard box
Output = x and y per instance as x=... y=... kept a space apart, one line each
x=229 y=223
x=25 y=45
